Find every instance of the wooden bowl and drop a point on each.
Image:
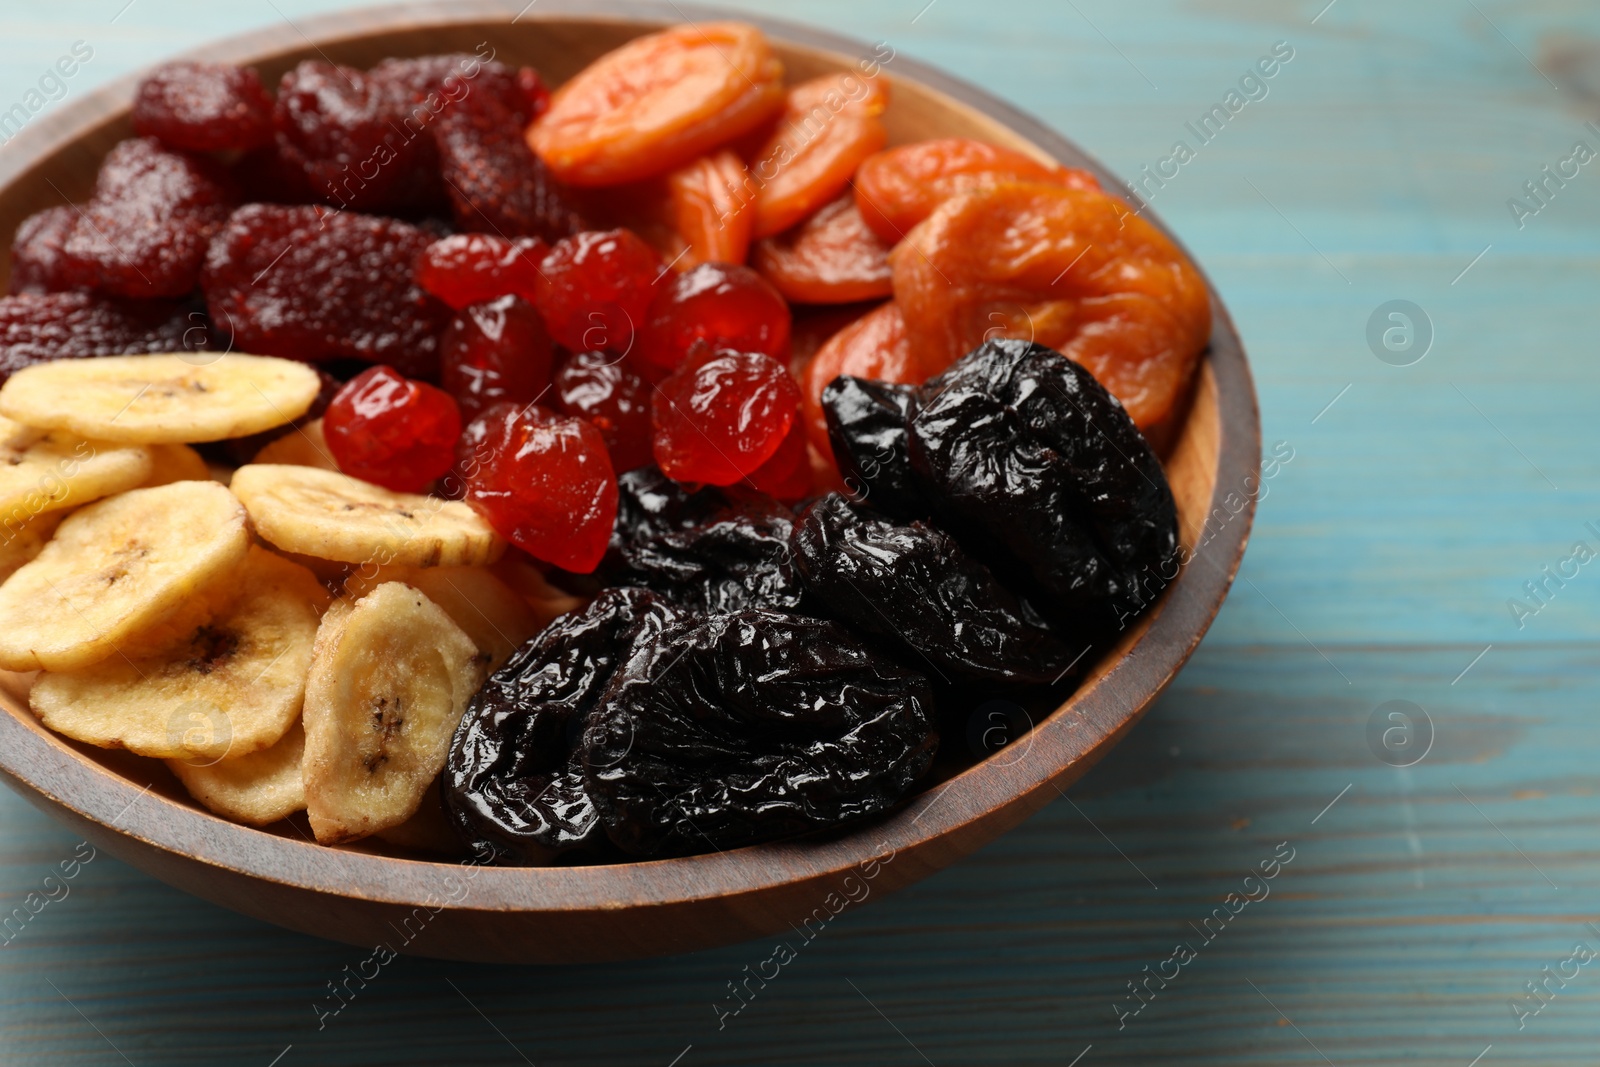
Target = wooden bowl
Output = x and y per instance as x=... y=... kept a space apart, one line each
x=134 y=810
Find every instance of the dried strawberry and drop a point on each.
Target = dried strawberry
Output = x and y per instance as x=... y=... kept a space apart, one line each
x=36 y=261
x=470 y=268
x=494 y=181
x=722 y=305
x=722 y=415
x=203 y=107
x=39 y=328
x=388 y=430
x=602 y=389
x=493 y=352
x=314 y=284
x=595 y=287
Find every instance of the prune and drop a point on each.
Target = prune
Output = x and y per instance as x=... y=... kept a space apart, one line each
x=43 y=327
x=650 y=504
x=36 y=260
x=144 y=232
x=203 y=107
x=739 y=558
x=722 y=415
x=874 y=346
x=513 y=781
x=472 y=268
x=657 y=102
x=752 y=726
x=830 y=258
x=828 y=127
x=1041 y=474
x=313 y=284
x=393 y=432
x=1073 y=269
x=720 y=305
x=494 y=352
x=914 y=587
x=867 y=429
x=604 y=390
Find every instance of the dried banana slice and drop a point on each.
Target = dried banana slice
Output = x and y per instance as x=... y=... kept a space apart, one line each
x=489 y=610
x=163 y=399
x=390 y=678
x=228 y=688
x=116 y=568
x=256 y=789
x=334 y=516
x=48 y=470
x=303 y=446
x=175 y=463
x=26 y=540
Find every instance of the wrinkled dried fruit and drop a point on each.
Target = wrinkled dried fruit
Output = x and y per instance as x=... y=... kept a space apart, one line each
x=914 y=588
x=495 y=352
x=41 y=328
x=787 y=475
x=830 y=258
x=711 y=209
x=473 y=268
x=37 y=265
x=721 y=416
x=601 y=389
x=657 y=102
x=898 y=188
x=723 y=305
x=737 y=559
x=513 y=782
x=595 y=288
x=203 y=107
x=1074 y=270
x=650 y=504
x=874 y=346
x=318 y=285
x=829 y=125
x=390 y=431
x=867 y=429
x=752 y=726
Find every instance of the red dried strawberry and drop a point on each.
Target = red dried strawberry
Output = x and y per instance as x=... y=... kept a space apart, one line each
x=203 y=107
x=39 y=328
x=37 y=265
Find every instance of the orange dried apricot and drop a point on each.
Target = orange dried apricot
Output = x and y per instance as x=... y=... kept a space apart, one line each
x=830 y=258
x=828 y=126
x=658 y=102
x=707 y=206
x=874 y=346
x=898 y=188
x=1073 y=269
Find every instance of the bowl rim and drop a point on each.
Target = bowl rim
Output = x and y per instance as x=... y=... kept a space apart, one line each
x=1066 y=744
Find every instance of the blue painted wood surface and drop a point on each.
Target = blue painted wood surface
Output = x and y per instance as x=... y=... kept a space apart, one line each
x=1415 y=908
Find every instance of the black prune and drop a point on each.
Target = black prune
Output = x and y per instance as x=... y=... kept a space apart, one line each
x=867 y=429
x=916 y=588
x=751 y=726
x=650 y=504
x=512 y=781
x=737 y=559
x=1039 y=472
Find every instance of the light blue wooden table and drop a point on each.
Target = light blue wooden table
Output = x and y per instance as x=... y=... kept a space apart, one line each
x=1421 y=902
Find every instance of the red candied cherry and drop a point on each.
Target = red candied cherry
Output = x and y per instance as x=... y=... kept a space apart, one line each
x=391 y=431
x=544 y=481
x=787 y=475
x=495 y=351
x=722 y=415
x=722 y=305
x=471 y=268
x=599 y=387
x=595 y=288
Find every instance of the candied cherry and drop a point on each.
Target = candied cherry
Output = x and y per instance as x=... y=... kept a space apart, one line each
x=470 y=268
x=388 y=430
x=204 y=107
x=492 y=352
x=787 y=475
x=722 y=415
x=600 y=388
x=720 y=305
x=595 y=289
x=544 y=481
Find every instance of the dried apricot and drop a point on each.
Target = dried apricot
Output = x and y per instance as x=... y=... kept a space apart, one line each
x=658 y=102
x=898 y=188
x=830 y=258
x=708 y=207
x=829 y=125
x=1073 y=269
x=874 y=346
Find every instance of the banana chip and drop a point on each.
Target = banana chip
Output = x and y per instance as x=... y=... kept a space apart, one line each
x=175 y=463
x=228 y=688
x=44 y=471
x=114 y=569
x=162 y=399
x=390 y=678
x=491 y=613
x=256 y=789
x=334 y=516
x=303 y=446
x=26 y=540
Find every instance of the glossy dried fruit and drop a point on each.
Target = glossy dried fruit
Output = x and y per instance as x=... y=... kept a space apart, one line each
x=721 y=305
x=144 y=232
x=752 y=726
x=473 y=268
x=1041 y=474
x=544 y=482
x=830 y=258
x=650 y=504
x=601 y=389
x=317 y=285
x=914 y=588
x=495 y=352
x=736 y=559
x=828 y=127
x=37 y=265
x=595 y=289
x=709 y=206
x=787 y=475
x=513 y=781
x=203 y=107
x=390 y=431
x=867 y=430
x=898 y=188
x=722 y=416
x=874 y=346
x=1074 y=270
x=658 y=102
x=40 y=328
